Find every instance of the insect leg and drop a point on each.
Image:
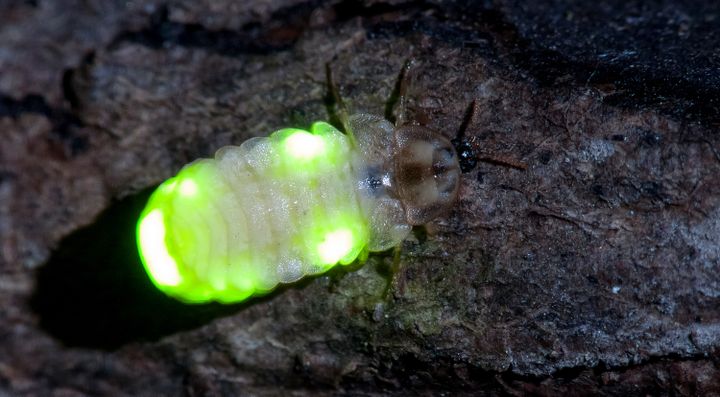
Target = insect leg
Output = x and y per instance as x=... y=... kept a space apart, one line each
x=398 y=98
x=395 y=267
x=339 y=110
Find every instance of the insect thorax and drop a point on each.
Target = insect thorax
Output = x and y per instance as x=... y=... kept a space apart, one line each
x=408 y=175
x=373 y=164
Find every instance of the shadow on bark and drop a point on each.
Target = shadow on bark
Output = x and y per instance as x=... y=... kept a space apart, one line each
x=94 y=291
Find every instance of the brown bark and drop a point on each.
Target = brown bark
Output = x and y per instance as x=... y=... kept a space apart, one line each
x=593 y=271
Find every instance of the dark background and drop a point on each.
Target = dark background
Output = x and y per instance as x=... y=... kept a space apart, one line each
x=593 y=271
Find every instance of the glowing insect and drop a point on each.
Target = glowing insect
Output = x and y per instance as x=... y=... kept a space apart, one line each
x=295 y=203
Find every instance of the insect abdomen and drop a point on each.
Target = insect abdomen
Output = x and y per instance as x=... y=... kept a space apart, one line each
x=272 y=210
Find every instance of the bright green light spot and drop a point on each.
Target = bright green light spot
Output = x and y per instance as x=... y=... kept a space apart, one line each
x=169 y=185
x=188 y=187
x=336 y=245
x=151 y=238
x=304 y=145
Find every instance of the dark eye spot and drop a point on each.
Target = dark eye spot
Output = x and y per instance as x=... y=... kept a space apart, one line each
x=466 y=155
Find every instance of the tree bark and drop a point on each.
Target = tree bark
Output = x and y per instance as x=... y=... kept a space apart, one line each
x=594 y=270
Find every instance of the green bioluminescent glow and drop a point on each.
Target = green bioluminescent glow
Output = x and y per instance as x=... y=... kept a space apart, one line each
x=188 y=187
x=335 y=246
x=227 y=228
x=151 y=239
x=304 y=145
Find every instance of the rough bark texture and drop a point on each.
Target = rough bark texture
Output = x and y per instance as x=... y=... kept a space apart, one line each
x=594 y=271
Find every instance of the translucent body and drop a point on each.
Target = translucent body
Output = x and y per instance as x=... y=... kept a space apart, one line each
x=271 y=211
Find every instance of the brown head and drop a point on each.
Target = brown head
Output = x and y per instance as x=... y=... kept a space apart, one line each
x=427 y=173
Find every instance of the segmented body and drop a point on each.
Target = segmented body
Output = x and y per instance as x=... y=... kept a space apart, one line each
x=271 y=211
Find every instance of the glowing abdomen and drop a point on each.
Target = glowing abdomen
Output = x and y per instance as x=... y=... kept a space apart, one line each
x=269 y=211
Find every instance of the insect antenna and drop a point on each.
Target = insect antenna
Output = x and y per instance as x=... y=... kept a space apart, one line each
x=469 y=149
x=504 y=161
x=467 y=154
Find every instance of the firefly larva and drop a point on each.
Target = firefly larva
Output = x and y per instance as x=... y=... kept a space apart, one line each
x=293 y=204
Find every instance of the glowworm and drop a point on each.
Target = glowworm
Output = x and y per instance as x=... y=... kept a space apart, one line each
x=292 y=204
